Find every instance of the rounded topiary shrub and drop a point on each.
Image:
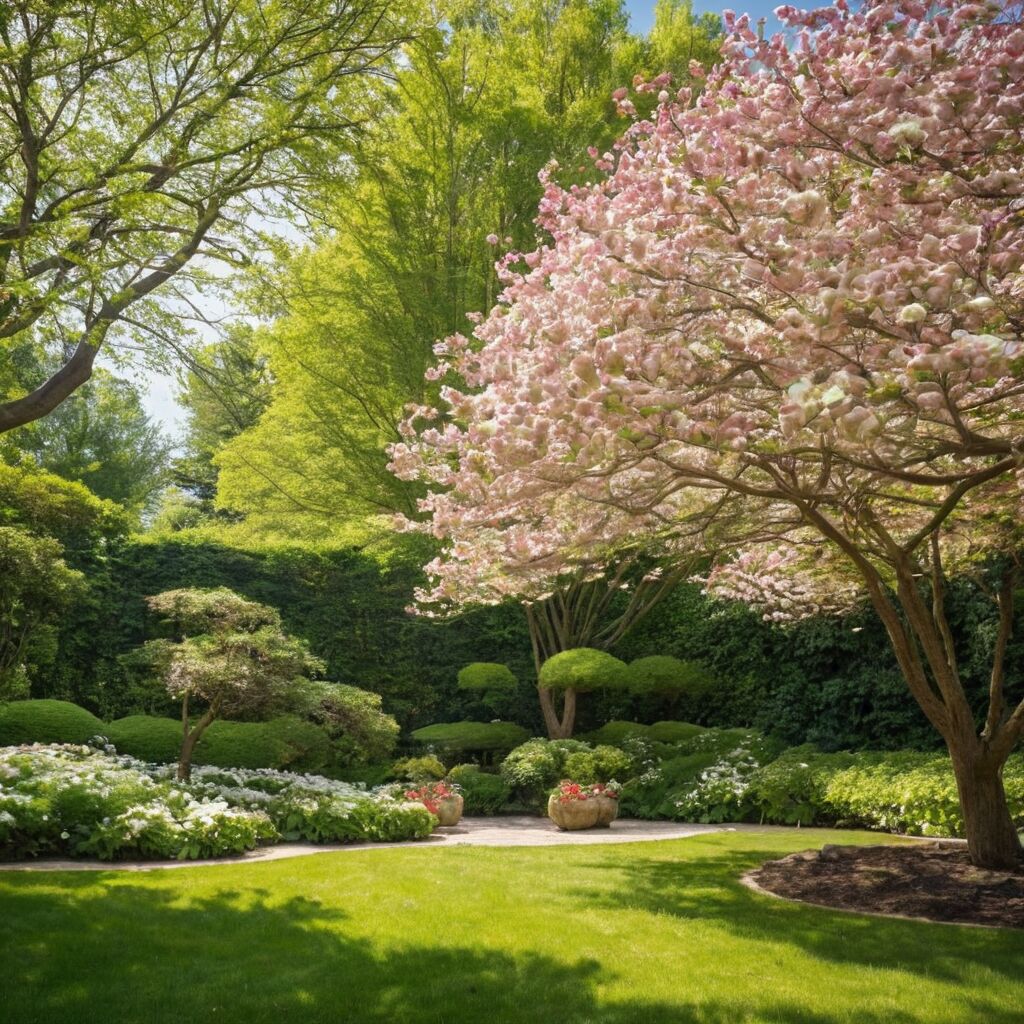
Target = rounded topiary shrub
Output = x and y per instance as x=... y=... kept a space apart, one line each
x=302 y=746
x=583 y=669
x=472 y=735
x=674 y=732
x=47 y=721
x=486 y=675
x=242 y=744
x=616 y=732
x=663 y=675
x=149 y=739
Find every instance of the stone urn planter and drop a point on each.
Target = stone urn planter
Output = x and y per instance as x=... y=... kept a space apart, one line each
x=607 y=808
x=574 y=814
x=449 y=810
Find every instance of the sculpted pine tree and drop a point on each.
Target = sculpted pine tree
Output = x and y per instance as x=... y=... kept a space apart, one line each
x=787 y=318
x=231 y=657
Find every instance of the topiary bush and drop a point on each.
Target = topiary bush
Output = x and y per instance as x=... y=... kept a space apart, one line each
x=675 y=732
x=471 y=736
x=486 y=675
x=47 y=721
x=583 y=669
x=615 y=732
x=482 y=792
x=665 y=676
x=156 y=740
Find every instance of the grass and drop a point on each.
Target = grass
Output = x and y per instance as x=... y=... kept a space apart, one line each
x=646 y=933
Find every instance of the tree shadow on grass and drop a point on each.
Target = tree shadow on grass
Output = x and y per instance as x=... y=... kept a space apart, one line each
x=708 y=888
x=78 y=950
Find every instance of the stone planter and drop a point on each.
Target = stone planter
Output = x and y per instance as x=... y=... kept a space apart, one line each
x=449 y=810
x=574 y=814
x=608 y=810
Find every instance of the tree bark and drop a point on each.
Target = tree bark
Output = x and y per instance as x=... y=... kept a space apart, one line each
x=188 y=744
x=992 y=838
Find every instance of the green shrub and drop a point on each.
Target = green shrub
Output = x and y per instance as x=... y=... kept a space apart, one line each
x=47 y=721
x=708 y=779
x=583 y=669
x=352 y=718
x=486 y=675
x=615 y=732
x=303 y=746
x=482 y=792
x=602 y=764
x=791 y=789
x=461 y=736
x=674 y=732
x=157 y=740
x=665 y=676
x=537 y=765
x=909 y=792
x=417 y=769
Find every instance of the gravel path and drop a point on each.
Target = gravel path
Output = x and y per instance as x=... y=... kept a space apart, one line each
x=510 y=831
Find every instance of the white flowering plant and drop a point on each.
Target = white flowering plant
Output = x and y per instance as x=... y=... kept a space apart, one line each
x=82 y=801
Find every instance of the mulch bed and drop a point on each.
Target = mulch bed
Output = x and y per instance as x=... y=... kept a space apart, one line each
x=935 y=881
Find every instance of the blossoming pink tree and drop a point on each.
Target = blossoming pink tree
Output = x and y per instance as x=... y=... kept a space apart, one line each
x=786 y=317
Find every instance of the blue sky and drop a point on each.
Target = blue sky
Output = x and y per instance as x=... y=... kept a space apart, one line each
x=641 y=12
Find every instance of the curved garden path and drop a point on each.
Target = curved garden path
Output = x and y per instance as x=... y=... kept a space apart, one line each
x=507 y=831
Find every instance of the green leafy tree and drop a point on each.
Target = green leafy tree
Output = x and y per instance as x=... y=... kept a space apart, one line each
x=36 y=585
x=231 y=656
x=481 y=105
x=102 y=437
x=137 y=136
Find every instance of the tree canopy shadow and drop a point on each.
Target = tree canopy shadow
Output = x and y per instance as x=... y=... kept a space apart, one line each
x=708 y=888
x=125 y=952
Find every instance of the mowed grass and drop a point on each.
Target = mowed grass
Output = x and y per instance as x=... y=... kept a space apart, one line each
x=649 y=933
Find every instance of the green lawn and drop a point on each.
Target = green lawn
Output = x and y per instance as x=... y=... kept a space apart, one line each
x=649 y=933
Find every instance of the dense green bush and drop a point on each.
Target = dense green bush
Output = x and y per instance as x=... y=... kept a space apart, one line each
x=359 y=730
x=537 y=765
x=791 y=789
x=471 y=736
x=673 y=732
x=157 y=740
x=666 y=676
x=602 y=764
x=417 y=769
x=77 y=801
x=47 y=721
x=285 y=742
x=615 y=732
x=482 y=792
x=706 y=777
x=909 y=792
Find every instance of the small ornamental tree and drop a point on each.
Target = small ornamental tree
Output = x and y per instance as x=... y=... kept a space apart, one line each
x=231 y=657
x=493 y=683
x=580 y=670
x=788 y=318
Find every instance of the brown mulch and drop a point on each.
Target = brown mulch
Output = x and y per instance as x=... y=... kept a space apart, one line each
x=934 y=881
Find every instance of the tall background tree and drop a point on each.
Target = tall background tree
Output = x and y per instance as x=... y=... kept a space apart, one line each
x=138 y=138
x=788 y=321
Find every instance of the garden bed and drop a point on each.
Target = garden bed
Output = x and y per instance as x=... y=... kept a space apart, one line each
x=936 y=882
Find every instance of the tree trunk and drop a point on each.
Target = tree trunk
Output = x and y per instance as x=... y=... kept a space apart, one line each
x=992 y=839
x=188 y=745
x=559 y=727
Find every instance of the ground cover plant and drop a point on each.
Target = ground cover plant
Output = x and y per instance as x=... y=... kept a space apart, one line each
x=656 y=932
x=82 y=801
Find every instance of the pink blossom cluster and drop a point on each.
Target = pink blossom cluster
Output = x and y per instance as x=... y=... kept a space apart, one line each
x=793 y=296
